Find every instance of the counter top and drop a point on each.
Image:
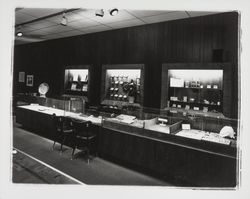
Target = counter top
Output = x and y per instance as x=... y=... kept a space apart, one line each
x=136 y=123
x=206 y=136
x=59 y=112
x=147 y=129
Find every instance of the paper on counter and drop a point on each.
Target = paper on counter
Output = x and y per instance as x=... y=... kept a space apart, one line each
x=194 y=134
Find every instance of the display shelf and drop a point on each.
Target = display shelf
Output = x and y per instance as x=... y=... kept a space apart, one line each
x=195 y=103
x=199 y=88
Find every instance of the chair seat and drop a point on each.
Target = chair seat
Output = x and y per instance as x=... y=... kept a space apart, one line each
x=85 y=138
x=68 y=130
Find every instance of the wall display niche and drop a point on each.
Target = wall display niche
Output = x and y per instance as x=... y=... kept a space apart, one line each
x=76 y=80
x=122 y=85
x=193 y=88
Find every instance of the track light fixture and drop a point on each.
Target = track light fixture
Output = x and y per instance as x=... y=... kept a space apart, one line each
x=99 y=13
x=112 y=12
x=64 y=21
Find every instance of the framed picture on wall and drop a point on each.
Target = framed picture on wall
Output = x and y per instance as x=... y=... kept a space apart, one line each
x=21 y=77
x=29 y=80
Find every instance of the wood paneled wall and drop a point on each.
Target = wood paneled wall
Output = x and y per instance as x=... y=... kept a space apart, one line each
x=181 y=41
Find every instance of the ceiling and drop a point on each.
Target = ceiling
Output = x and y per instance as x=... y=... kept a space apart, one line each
x=37 y=26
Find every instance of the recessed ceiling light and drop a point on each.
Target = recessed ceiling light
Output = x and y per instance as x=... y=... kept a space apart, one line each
x=19 y=34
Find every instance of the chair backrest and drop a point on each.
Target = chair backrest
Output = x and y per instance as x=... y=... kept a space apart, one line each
x=82 y=128
x=60 y=122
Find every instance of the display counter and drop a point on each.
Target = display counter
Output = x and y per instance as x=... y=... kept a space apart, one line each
x=157 y=144
x=39 y=119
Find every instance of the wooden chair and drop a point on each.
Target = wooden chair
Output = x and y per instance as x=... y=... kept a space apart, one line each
x=84 y=138
x=63 y=131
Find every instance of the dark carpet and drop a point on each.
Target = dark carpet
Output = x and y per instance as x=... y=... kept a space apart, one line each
x=97 y=172
x=28 y=170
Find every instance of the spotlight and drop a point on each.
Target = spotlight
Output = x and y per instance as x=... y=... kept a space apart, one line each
x=99 y=13
x=19 y=34
x=113 y=12
x=64 y=20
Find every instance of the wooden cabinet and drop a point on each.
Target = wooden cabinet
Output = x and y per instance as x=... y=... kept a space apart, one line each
x=39 y=123
x=178 y=160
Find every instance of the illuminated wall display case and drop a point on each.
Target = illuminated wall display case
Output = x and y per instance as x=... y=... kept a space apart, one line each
x=76 y=80
x=122 y=85
x=194 y=88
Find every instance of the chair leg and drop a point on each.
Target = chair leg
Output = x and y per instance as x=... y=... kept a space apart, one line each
x=72 y=155
x=88 y=155
x=53 y=147
x=63 y=143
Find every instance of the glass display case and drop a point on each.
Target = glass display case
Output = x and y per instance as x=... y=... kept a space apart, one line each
x=204 y=129
x=76 y=80
x=122 y=85
x=198 y=90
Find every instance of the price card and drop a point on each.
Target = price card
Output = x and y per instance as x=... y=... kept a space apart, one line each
x=185 y=126
x=196 y=108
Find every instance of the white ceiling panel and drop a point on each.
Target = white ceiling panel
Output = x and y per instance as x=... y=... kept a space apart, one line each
x=72 y=33
x=147 y=13
x=166 y=17
x=40 y=12
x=22 y=17
x=57 y=29
x=70 y=17
x=85 y=22
x=96 y=29
x=127 y=23
x=37 y=32
x=27 y=28
x=52 y=36
x=89 y=13
x=198 y=13
x=41 y=24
